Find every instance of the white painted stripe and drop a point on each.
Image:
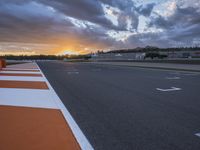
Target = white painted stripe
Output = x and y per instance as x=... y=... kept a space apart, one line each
x=19 y=78
x=168 y=90
x=20 y=72
x=191 y=74
x=19 y=69
x=72 y=72
x=27 y=98
x=188 y=73
x=80 y=137
x=197 y=134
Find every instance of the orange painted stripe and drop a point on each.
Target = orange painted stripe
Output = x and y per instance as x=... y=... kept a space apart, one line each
x=20 y=74
x=25 y=128
x=23 y=84
x=21 y=70
x=30 y=68
x=24 y=66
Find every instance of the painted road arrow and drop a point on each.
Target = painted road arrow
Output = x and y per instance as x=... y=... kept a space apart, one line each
x=168 y=90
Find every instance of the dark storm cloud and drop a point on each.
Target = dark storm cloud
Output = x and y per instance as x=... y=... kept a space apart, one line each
x=13 y=1
x=183 y=26
x=145 y=39
x=41 y=21
x=128 y=9
x=86 y=10
x=128 y=12
x=146 y=10
x=15 y=26
x=182 y=17
x=92 y=11
x=19 y=25
x=32 y=22
x=121 y=4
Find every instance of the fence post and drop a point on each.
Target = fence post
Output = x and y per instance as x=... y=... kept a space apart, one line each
x=3 y=63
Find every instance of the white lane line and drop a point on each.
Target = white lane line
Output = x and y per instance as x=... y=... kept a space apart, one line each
x=190 y=74
x=197 y=134
x=20 y=72
x=173 y=78
x=169 y=90
x=72 y=72
x=80 y=137
x=27 y=98
x=185 y=73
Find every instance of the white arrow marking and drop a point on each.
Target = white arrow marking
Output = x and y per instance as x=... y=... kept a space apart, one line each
x=168 y=90
x=197 y=134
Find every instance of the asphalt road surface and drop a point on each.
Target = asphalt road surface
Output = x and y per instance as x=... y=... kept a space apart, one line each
x=130 y=108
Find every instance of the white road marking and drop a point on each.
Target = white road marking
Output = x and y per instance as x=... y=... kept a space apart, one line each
x=73 y=72
x=168 y=90
x=197 y=134
x=20 y=72
x=80 y=137
x=23 y=78
x=190 y=74
x=173 y=78
x=185 y=73
x=27 y=98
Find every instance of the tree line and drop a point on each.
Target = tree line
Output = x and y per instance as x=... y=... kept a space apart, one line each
x=43 y=57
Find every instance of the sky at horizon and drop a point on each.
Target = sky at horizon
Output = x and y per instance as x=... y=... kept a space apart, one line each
x=59 y=27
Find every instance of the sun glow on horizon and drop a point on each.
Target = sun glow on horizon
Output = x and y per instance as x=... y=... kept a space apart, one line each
x=68 y=52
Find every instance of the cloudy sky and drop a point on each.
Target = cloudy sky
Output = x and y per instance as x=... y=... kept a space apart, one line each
x=82 y=26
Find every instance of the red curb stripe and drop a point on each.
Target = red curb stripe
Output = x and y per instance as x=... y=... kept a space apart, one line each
x=24 y=128
x=20 y=74
x=23 y=84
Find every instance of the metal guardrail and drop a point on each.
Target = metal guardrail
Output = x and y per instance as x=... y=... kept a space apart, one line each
x=175 y=61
